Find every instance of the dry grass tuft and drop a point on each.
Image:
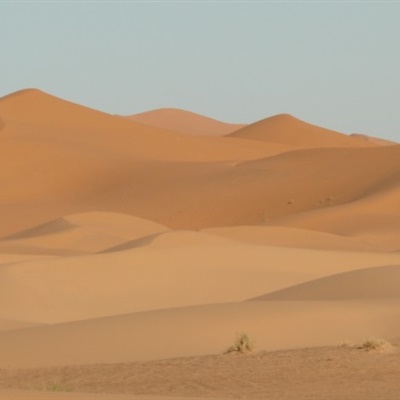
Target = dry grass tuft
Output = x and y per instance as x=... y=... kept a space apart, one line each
x=242 y=344
x=374 y=343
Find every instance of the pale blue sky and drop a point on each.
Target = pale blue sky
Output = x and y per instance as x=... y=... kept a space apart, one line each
x=335 y=64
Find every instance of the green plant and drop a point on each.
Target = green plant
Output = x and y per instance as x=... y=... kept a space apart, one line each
x=242 y=344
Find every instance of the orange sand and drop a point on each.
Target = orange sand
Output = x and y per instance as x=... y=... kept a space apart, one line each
x=162 y=235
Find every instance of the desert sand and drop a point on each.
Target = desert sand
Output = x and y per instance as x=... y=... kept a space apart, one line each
x=134 y=249
x=183 y=121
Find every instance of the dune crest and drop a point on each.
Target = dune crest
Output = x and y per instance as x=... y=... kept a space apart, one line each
x=369 y=283
x=373 y=219
x=185 y=122
x=81 y=233
x=374 y=140
x=285 y=128
x=47 y=117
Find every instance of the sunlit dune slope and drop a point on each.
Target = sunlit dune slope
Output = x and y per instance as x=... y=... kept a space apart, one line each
x=284 y=128
x=185 y=122
x=369 y=283
x=374 y=219
x=290 y=237
x=34 y=115
x=195 y=196
x=80 y=233
x=174 y=269
x=199 y=330
x=143 y=238
x=57 y=158
x=373 y=140
x=11 y=325
x=260 y=191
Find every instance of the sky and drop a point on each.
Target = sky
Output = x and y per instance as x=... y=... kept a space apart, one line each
x=331 y=63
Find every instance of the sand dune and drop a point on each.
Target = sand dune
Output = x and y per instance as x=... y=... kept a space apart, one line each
x=9 y=259
x=374 y=219
x=108 y=174
x=291 y=237
x=221 y=194
x=185 y=122
x=284 y=128
x=198 y=330
x=11 y=325
x=65 y=159
x=174 y=270
x=80 y=233
x=370 y=283
x=175 y=239
x=142 y=238
x=374 y=140
x=56 y=122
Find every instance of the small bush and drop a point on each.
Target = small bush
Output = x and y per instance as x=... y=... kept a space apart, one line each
x=242 y=344
x=374 y=343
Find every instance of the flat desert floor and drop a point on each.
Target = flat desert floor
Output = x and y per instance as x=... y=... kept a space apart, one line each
x=134 y=250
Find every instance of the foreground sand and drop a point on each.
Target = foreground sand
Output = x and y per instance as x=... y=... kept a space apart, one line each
x=133 y=250
x=335 y=373
x=17 y=394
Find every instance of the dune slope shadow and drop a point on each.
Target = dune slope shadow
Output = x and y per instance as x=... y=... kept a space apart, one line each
x=370 y=283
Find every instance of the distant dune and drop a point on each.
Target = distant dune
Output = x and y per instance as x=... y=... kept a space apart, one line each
x=32 y=113
x=62 y=157
x=185 y=122
x=287 y=129
x=141 y=239
x=374 y=140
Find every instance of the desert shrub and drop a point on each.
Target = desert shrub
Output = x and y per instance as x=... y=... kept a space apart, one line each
x=242 y=344
x=374 y=343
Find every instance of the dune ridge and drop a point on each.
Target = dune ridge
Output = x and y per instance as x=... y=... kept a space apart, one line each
x=245 y=194
x=176 y=269
x=89 y=232
x=285 y=128
x=374 y=140
x=89 y=153
x=185 y=122
x=370 y=283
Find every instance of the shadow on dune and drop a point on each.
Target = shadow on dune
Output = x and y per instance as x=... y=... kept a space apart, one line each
x=381 y=282
x=132 y=244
